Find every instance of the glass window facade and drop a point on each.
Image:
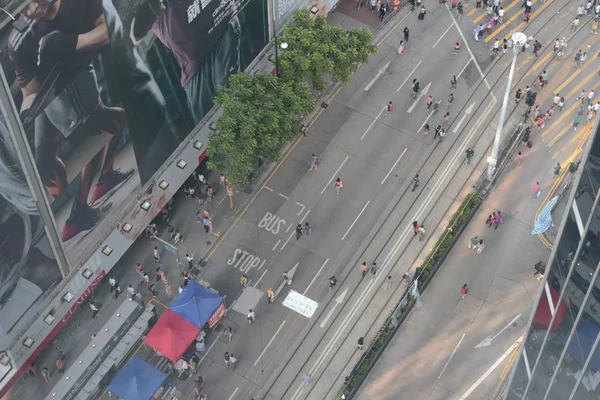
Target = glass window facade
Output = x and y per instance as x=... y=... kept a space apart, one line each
x=560 y=357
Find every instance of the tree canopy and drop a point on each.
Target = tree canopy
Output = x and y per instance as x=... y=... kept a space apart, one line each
x=260 y=113
x=317 y=49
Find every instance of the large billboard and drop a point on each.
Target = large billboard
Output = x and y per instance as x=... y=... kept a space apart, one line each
x=28 y=267
x=107 y=90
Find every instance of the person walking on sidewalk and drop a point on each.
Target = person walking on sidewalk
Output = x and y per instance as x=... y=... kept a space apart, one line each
x=298 y=231
x=519 y=159
x=130 y=292
x=490 y=220
x=480 y=246
x=389 y=108
x=364 y=268
x=94 y=310
x=540 y=269
x=251 y=316
x=270 y=295
x=156 y=254
x=114 y=286
x=307 y=229
x=463 y=291
x=314 y=163
x=536 y=190
x=373 y=269
x=229 y=333
x=473 y=243
x=401 y=47
x=422 y=13
x=415 y=226
x=406 y=32
x=421 y=232
x=332 y=282
x=576 y=121
x=45 y=375
x=159 y=273
x=305 y=380
x=388 y=284
x=360 y=344
x=244 y=281
x=498 y=219
x=338 y=185
x=556 y=171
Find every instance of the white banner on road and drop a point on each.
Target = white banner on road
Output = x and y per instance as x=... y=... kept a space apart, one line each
x=301 y=304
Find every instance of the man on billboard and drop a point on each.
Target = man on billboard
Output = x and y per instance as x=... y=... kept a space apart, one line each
x=204 y=37
x=62 y=38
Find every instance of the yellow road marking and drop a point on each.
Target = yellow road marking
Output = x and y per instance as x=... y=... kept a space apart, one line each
x=521 y=26
x=484 y=15
x=391 y=31
x=565 y=113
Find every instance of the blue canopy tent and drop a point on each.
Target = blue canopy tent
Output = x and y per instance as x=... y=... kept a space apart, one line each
x=197 y=304
x=138 y=380
x=581 y=345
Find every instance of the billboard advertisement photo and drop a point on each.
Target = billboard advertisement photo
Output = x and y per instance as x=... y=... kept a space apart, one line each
x=28 y=267
x=107 y=90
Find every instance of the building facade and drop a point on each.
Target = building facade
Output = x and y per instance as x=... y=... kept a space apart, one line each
x=560 y=356
x=105 y=111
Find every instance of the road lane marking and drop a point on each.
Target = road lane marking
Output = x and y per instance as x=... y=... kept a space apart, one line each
x=315 y=277
x=288 y=239
x=210 y=348
x=409 y=75
x=468 y=111
x=355 y=219
x=268 y=344
x=372 y=123
x=441 y=37
x=395 y=248
x=276 y=244
x=268 y=188
x=452 y=355
x=379 y=73
x=285 y=197
x=463 y=69
x=489 y=339
x=491 y=369
x=300 y=212
x=260 y=279
x=334 y=175
x=339 y=300
x=423 y=93
x=396 y=163
x=233 y=394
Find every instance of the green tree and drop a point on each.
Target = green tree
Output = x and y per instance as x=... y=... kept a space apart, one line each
x=317 y=50
x=260 y=113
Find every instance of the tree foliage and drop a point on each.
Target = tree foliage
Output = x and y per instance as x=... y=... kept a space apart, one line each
x=260 y=113
x=317 y=50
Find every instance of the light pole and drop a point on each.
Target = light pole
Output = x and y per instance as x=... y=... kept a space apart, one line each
x=518 y=40
x=284 y=46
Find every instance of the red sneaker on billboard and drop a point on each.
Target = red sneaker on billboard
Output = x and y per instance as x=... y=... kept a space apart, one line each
x=110 y=182
x=84 y=219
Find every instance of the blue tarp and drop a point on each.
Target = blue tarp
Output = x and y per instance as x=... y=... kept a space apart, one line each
x=581 y=344
x=196 y=304
x=138 y=380
x=544 y=219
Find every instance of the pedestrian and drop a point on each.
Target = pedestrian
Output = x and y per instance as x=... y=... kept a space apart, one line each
x=518 y=95
x=476 y=31
x=179 y=237
x=421 y=233
x=227 y=358
x=190 y=260
x=498 y=220
x=244 y=280
x=536 y=112
x=460 y=11
x=382 y=11
x=156 y=254
x=480 y=246
x=388 y=284
x=539 y=122
x=549 y=113
x=450 y=99
x=114 y=286
x=490 y=25
x=206 y=224
x=540 y=269
x=364 y=268
x=481 y=30
x=130 y=292
x=425 y=129
x=473 y=242
x=373 y=269
x=490 y=220
x=590 y=96
x=332 y=282
x=146 y=278
x=493 y=219
x=456 y=49
x=197 y=387
x=536 y=190
x=305 y=380
x=429 y=102
x=406 y=280
x=478 y=4
x=307 y=228
x=286 y=278
x=360 y=344
x=527 y=16
x=232 y=361
x=447 y=118
x=595 y=26
x=576 y=121
x=500 y=14
x=229 y=332
x=556 y=171
x=561 y=104
x=578 y=59
x=270 y=295
x=406 y=32
x=422 y=13
x=45 y=375
x=415 y=226
x=314 y=163
x=389 y=108
x=251 y=316
x=575 y=23
x=401 y=47
x=298 y=231
x=338 y=185
x=453 y=82
x=519 y=159
x=463 y=291
x=94 y=310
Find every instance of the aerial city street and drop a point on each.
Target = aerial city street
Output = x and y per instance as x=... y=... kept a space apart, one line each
x=307 y=262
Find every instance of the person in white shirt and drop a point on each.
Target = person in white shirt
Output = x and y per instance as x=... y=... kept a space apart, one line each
x=131 y=292
x=94 y=310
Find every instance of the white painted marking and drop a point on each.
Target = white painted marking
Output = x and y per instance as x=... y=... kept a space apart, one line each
x=301 y=304
x=427 y=119
x=315 y=277
x=276 y=244
x=355 y=219
x=268 y=188
x=488 y=340
x=300 y=212
x=463 y=69
x=578 y=220
x=339 y=300
x=285 y=197
x=452 y=355
x=468 y=111
x=288 y=240
x=466 y=43
x=379 y=73
x=441 y=37
x=210 y=348
x=305 y=215
x=423 y=93
x=260 y=279
x=372 y=123
x=232 y=304
x=233 y=394
x=393 y=166
x=341 y=329
x=268 y=344
x=491 y=369
x=409 y=75
x=288 y=228
x=334 y=175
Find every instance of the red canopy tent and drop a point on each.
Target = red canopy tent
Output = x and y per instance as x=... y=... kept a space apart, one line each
x=172 y=335
x=543 y=315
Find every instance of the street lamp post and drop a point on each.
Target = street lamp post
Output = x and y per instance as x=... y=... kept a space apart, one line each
x=284 y=46
x=518 y=40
